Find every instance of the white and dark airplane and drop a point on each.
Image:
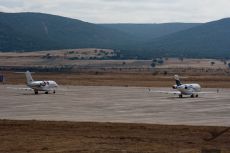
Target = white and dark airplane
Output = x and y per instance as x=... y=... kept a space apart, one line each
x=191 y=90
x=46 y=86
x=186 y=89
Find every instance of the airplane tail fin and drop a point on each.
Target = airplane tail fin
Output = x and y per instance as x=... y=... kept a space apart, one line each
x=178 y=82
x=28 y=77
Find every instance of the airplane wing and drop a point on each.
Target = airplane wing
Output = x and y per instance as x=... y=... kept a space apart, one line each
x=26 y=89
x=178 y=92
x=48 y=89
x=207 y=92
x=165 y=92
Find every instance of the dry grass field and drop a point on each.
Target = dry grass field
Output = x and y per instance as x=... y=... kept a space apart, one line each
x=194 y=63
x=60 y=53
x=74 y=57
x=69 y=137
x=112 y=72
x=115 y=72
x=119 y=79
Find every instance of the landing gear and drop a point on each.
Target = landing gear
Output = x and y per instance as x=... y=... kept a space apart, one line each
x=35 y=92
x=46 y=92
x=54 y=91
x=194 y=96
x=180 y=96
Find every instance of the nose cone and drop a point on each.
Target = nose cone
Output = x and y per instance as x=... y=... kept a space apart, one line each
x=174 y=86
x=55 y=84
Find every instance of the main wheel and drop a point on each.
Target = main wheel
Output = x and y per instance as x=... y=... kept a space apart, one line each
x=35 y=92
x=197 y=95
x=46 y=92
x=54 y=91
x=180 y=96
x=192 y=96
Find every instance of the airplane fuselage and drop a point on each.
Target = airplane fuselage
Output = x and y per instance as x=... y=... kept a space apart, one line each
x=188 y=89
x=43 y=85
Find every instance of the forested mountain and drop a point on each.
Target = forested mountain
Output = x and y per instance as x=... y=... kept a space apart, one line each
x=36 y=31
x=207 y=40
x=146 y=32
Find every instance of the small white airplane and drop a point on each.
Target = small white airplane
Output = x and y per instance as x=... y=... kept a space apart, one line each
x=46 y=86
x=184 y=89
x=36 y=86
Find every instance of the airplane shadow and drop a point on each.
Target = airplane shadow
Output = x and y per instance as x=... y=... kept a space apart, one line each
x=32 y=94
x=185 y=97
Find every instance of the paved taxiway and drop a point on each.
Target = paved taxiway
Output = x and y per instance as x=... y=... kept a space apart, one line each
x=116 y=104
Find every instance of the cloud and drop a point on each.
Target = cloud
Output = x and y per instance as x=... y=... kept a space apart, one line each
x=131 y=11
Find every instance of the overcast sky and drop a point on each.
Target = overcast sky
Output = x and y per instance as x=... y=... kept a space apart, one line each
x=125 y=11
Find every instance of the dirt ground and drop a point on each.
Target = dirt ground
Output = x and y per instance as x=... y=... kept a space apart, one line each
x=70 y=137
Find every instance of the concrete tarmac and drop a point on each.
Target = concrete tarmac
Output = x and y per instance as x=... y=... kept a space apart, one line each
x=116 y=104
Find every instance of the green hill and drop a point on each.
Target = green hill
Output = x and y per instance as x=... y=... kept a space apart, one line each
x=209 y=40
x=146 y=32
x=36 y=31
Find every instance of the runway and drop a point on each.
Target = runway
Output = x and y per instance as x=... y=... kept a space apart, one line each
x=116 y=104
